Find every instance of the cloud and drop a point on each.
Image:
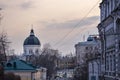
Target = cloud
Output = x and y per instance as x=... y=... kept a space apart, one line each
x=55 y=31
x=54 y=28
x=27 y=5
x=71 y=23
x=3 y=6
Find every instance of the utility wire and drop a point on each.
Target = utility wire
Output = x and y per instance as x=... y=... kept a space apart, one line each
x=64 y=37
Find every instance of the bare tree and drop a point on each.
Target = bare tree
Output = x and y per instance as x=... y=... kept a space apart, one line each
x=3 y=46
x=48 y=59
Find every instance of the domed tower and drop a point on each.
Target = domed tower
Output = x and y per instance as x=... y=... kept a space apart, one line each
x=31 y=46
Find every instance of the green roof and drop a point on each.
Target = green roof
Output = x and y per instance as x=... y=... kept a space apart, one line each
x=18 y=65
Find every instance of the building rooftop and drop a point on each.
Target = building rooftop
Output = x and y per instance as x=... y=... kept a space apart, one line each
x=17 y=64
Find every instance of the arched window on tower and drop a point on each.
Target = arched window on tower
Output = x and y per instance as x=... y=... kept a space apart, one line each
x=30 y=51
x=37 y=51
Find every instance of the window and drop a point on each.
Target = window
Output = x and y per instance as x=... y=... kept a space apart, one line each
x=110 y=63
x=118 y=24
x=108 y=9
x=25 y=51
x=30 y=51
x=116 y=3
x=86 y=48
x=37 y=51
x=112 y=5
x=9 y=65
x=119 y=45
x=107 y=63
x=114 y=63
x=118 y=27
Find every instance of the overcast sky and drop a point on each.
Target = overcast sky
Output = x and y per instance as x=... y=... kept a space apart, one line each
x=51 y=19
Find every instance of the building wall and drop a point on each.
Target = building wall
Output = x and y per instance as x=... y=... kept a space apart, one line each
x=30 y=52
x=94 y=68
x=32 y=49
x=108 y=6
x=29 y=75
x=41 y=74
x=84 y=48
x=23 y=75
x=90 y=49
x=80 y=52
x=109 y=31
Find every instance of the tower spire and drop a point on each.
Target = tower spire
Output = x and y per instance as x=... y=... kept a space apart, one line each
x=32 y=31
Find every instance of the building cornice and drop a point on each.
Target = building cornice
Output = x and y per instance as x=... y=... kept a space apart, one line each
x=112 y=15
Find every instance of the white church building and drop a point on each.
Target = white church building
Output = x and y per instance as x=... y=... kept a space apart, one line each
x=31 y=46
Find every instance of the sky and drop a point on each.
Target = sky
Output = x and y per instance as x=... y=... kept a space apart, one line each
x=52 y=20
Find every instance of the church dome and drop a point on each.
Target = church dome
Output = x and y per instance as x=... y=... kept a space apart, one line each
x=32 y=39
x=90 y=38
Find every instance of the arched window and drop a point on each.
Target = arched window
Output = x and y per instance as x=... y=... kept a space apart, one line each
x=30 y=51
x=118 y=22
x=37 y=51
x=118 y=26
x=118 y=30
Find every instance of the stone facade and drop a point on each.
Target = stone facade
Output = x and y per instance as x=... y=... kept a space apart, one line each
x=109 y=30
x=94 y=69
x=83 y=48
x=90 y=51
x=94 y=60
